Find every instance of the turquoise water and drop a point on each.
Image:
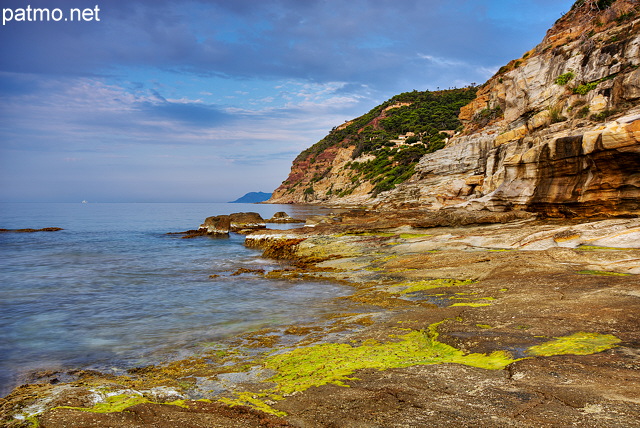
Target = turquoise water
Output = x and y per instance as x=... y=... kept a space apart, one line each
x=113 y=290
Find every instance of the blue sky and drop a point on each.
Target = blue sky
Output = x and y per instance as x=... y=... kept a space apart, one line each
x=203 y=101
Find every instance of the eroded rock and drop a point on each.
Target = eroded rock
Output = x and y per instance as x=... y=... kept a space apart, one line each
x=217 y=225
x=246 y=222
x=283 y=217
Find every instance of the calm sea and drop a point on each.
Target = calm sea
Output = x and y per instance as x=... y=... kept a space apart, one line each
x=113 y=290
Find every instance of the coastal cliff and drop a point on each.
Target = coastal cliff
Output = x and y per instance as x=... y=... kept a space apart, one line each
x=555 y=132
x=374 y=152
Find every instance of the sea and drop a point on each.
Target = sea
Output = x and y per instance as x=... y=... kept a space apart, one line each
x=114 y=290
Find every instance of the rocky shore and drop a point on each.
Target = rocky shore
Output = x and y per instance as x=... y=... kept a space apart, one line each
x=31 y=230
x=456 y=319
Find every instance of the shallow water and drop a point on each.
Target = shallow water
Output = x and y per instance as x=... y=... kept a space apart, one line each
x=113 y=290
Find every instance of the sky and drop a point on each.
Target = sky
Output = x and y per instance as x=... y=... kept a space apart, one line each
x=204 y=101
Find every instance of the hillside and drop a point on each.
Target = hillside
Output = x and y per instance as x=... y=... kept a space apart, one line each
x=555 y=131
x=252 y=198
x=377 y=151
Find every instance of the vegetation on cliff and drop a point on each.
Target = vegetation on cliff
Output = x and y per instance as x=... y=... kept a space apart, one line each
x=423 y=113
x=392 y=137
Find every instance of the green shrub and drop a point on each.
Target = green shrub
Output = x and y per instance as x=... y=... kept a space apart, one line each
x=565 y=78
x=585 y=89
x=583 y=112
x=603 y=115
x=427 y=114
x=556 y=115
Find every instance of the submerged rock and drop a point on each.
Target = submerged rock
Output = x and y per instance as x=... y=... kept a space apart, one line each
x=283 y=217
x=29 y=230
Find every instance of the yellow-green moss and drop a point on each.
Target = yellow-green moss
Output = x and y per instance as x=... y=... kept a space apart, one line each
x=179 y=403
x=472 y=304
x=335 y=363
x=428 y=284
x=118 y=403
x=601 y=272
x=376 y=234
x=255 y=400
x=596 y=247
x=33 y=420
x=578 y=344
x=115 y=403
x=413 y=235
x=485 y=326
x=303 y=368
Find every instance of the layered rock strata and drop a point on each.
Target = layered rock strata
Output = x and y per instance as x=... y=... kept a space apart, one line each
x=555 y=132
x=566 y=139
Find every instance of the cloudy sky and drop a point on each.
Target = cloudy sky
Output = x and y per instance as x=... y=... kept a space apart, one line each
x=203 y=101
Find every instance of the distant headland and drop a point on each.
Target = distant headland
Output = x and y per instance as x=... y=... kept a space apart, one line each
x=252 y=198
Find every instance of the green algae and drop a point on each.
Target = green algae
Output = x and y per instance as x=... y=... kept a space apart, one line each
x=386 y=234
x=429 y=284
x=596 y=247
x=601 y=272
x=414 y=235
x=114 y=403
x=375 y=234
x=334 y=363
x=256 y=400
x=578 y=344
x=33 y=420
x=471 y=304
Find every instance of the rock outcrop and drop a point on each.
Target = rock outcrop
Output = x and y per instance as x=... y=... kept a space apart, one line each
x=29 y=230
x=376 y=151
x=283 y=217
x=216 y=225
x=562 y=136
x=314 y=179
x=555 y=132
x=246 y=222
x=237 y=222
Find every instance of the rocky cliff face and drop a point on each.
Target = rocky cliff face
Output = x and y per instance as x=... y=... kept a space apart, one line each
x=375 y=152
x=323 y=178
x=556 y=132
